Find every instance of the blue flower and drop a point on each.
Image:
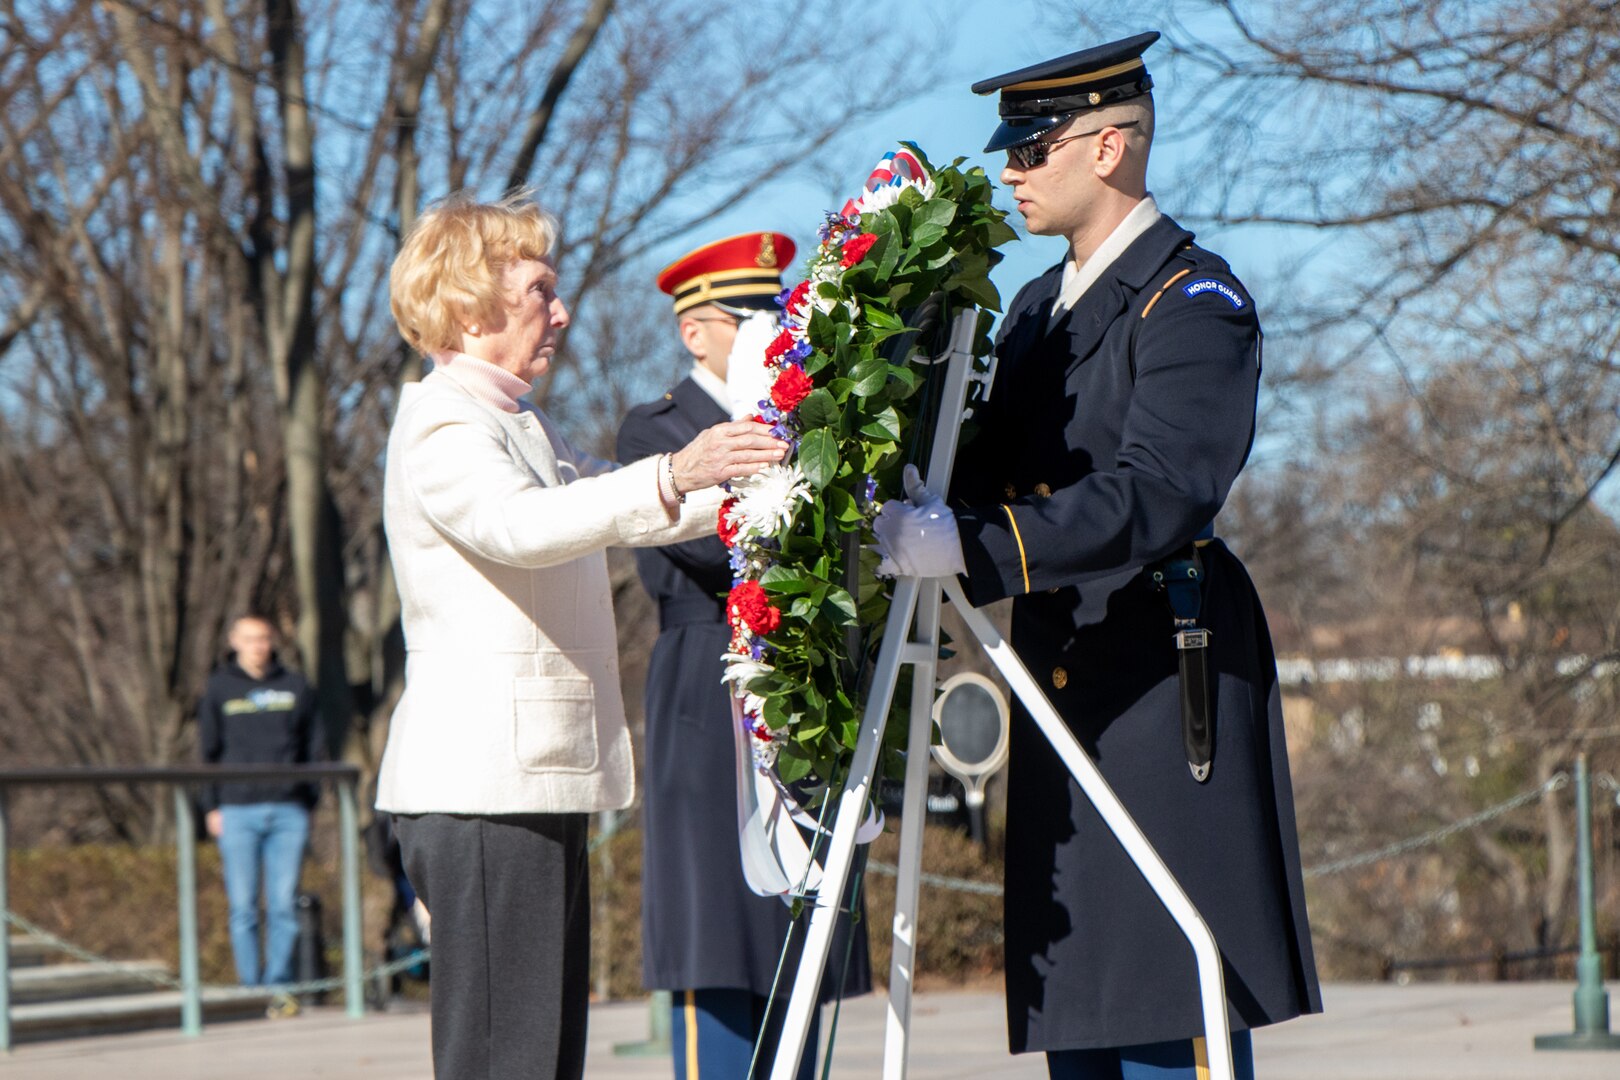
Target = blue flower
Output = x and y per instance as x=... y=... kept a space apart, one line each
x=870 y=488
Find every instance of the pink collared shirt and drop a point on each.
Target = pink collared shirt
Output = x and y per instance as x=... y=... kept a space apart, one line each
x=500 y=389
x=494 y=386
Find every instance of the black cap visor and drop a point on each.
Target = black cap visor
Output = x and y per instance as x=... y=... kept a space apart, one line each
x=744 y=306
x=1023 y=129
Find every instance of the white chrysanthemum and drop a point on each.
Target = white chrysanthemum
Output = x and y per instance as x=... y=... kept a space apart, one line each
x=765 y=753
x=742 y=669
x=768 y=500
x=888 y=194
x=828 y=270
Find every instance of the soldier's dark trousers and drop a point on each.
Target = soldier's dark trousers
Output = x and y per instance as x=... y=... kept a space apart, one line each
x=1180 y=1059
x=712 y=1034
x=511 y=937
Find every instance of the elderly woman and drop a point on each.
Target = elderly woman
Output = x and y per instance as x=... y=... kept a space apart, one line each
x=511 y=728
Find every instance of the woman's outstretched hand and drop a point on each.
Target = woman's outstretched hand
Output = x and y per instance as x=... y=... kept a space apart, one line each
x=725 y=452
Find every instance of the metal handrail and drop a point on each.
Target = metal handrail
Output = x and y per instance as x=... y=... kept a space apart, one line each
x=344 y=776
x=178 y=774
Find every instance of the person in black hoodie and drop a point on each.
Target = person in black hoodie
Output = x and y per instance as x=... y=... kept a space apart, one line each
x=256 y=712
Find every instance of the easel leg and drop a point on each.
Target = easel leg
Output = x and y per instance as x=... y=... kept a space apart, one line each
x=1211 y=982
x=841 y=848
x=914 y=813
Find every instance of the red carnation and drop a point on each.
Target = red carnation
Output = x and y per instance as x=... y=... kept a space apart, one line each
x=783 y=342
x=749 y=606
x=727 y=528
x=856 y=249
x=796 y=298
x=790 y=388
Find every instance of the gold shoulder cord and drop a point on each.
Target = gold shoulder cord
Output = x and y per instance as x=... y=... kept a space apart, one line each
x=1162 y=290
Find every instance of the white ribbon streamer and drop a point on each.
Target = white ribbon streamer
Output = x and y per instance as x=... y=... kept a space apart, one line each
x=776 y=860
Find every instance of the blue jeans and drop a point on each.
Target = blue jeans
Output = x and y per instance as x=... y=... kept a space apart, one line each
x=1175 y=1060
x=263 y=843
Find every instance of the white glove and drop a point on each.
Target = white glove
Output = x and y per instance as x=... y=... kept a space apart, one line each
x=748 y=380
x=917 y=537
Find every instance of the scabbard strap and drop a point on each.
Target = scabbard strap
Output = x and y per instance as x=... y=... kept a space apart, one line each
x=1181 y=577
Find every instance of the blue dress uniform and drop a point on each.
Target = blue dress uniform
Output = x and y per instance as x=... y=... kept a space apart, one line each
x=703 y=929
x=1111 y=439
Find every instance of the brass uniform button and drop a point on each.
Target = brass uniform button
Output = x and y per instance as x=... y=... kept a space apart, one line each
x=1053 y=589
x=1060 y=677
x=1043 y=491
x=1010 y=491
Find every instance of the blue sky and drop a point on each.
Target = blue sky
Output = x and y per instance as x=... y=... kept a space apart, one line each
x=949 y=121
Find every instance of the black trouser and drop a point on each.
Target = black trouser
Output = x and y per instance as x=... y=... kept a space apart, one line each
x=510 y=899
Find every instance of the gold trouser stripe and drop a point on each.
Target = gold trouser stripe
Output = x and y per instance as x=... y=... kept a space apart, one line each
x=1162 y=289
x=1022 y=558
x=1201 y=1057
x=1075 y=80
x=692 y=1037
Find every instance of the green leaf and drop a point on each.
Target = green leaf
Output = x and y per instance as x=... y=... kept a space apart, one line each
x=939 y=212
x=818 y=409
x=999 y=232
x=842 y=504
x=791 y=768
x=815 y=362
x=839 y=607
x=869 y=376
x=784 y=581
x=846 y=509
x=840 y=389
x=981 y=292
x=926 y=235
x=823 y=332
x=885 y=425
x=818 y=457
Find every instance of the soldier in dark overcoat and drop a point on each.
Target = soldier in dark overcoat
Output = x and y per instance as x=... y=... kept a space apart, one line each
x=705 y=936
x=1122 y=410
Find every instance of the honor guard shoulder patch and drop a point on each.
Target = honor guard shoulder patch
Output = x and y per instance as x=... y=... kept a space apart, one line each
x=1219 y=288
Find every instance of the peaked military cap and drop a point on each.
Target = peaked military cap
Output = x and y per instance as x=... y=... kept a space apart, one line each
x=1036 y=99
x=742 y=273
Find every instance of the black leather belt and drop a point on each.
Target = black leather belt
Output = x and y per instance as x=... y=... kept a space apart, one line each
x=690 y=609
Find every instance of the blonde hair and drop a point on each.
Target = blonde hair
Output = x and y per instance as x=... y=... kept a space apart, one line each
x=448 y=271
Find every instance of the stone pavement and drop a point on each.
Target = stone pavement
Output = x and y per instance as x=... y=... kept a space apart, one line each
x=1370 y=1032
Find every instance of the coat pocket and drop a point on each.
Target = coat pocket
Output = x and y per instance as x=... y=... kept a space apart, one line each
x=554 y=724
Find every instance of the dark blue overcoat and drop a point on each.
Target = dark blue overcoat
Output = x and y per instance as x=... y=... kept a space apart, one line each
x=702 y=928
x=1111 y=439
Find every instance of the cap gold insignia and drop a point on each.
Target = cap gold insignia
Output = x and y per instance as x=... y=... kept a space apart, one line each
x=1094 y=97
x=766 y=258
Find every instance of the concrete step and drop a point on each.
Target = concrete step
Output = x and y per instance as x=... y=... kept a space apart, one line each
x=63 y=982
x=127 y=1012
x=28 y=951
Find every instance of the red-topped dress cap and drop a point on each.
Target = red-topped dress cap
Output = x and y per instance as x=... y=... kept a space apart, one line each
x=741 y=272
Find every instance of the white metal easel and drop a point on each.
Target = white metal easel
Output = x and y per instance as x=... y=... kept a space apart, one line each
x=911 y=636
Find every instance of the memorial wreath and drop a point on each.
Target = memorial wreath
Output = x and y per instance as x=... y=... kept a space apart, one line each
x=894 y=266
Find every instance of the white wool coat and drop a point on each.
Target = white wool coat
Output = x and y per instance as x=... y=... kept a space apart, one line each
x=498 y=531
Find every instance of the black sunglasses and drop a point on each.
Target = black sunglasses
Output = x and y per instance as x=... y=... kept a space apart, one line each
x=1032 y=155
